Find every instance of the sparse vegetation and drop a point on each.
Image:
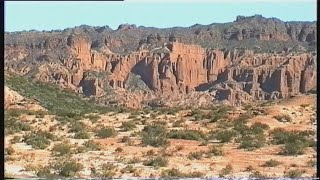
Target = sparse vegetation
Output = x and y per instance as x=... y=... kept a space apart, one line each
x=225 y=171
x=252 y=142
x=294 y=173
x=106 y=132
x=223 y=136
x=66 y=167
x=196 y=155
x=215 y=150
x=92 y=146
x=271 y=163
x=82 y=135
x=283 y=118
x=13 y=125
x=39 y=139
x=61 y=149
x=154 y=135
x=158 y=161
x=187 y=134
x=128 y=126
x=59 y=102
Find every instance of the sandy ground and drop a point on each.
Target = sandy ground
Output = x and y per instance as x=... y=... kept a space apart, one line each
x=240 y=159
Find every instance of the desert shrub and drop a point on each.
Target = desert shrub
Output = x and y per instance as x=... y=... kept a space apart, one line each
x=305 y=105
x=106 y=132
x=279 y=136
x=218 y=113
x=93 y=118
x=13 y=125
x=39 y=139
x=128 y=169
x=81 y=135
x=294 y=148
x=128 y=126
x=295 y=173
x=77 y=126
x=127 y=140
x=134 y=160
x=40 y=171
x=196 y=155
x=66 y=167
x=250 y=142
x=215 y=150
x=92 y=146
x=179 y=148
x=271 y=163
x=18 y=112
x=311 y=163
x=195 y=174
x=158 y=161
x=61 y=149
x=178 y=123
x=9 y=151
x=187 y=134
x=119 y=149
x=223 y=135
x=283 y=118
x=258 y=127
x=172 y=173
x=224 y=124
x=257 y=174
x=150 y=152
x=15 y=139
x=175 y=173
x=154 y=135
x=294 y=142
x=225 y=171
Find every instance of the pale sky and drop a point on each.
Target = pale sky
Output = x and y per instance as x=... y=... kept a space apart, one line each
x=165 y=13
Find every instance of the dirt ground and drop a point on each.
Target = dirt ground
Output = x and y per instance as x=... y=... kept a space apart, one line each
x=300 y=108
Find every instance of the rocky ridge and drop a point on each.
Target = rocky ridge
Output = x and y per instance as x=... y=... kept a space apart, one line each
x=172 y=68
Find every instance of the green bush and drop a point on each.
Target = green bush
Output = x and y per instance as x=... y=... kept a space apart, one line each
x=225 y=171
x=13 y=125
x=294 y=173
x=283 y=118
x=128 y=126
x=252 y=142
x=106 y=132
x=154 y=135
x=92 y=146
x=82 y=135
x=294 y=148
x=16 y=139
x=258 y=127
x=93 y=118
x=158 y=161
x=187 y=134
x=172 y=173
x=39 y=139
x=215 y=150
x=196 y=155
x=223 y=135
x=271 y=163
x=9 y=151
x=61 y=149
x=67 y=167
x=77 y=126
x=106 y=170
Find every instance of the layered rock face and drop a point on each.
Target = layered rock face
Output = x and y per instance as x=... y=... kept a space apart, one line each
x=172 y=70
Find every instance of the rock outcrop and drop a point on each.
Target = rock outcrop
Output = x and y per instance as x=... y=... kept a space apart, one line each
x=172 y=69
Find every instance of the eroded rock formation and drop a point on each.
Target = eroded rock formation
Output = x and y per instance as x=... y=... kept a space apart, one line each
x=173 y=69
